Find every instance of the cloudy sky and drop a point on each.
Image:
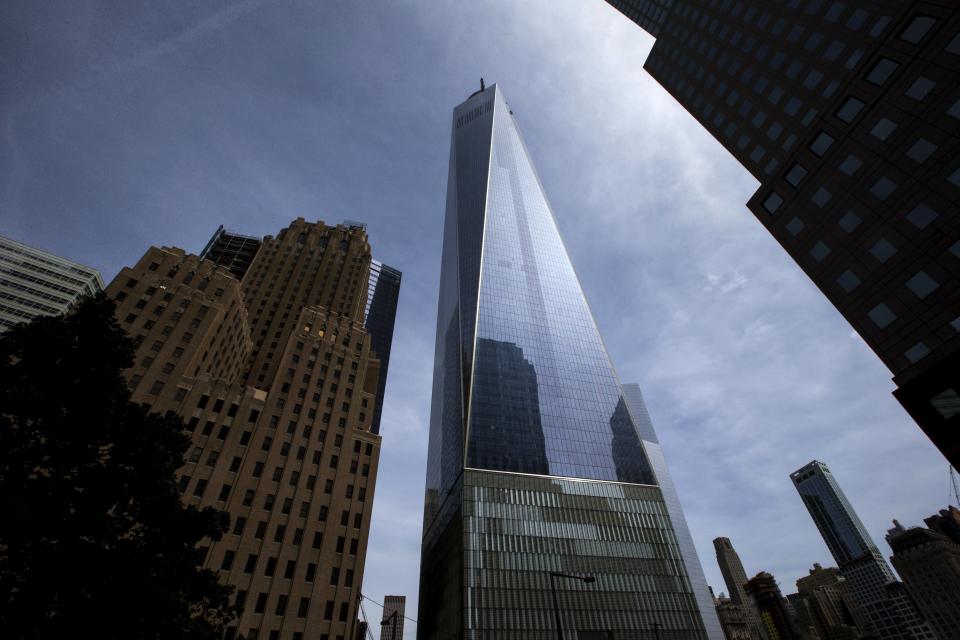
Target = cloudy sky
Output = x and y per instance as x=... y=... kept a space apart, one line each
x=130 y=123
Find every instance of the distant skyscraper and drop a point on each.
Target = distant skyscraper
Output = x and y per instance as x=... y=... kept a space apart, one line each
x=735 y=577
x=832 y=609
x=773 y=609
x=383 y=293
x=848 y=113
x=651 y=445
x=393 y=630
x=35 y=283
x=275 y=377
x=860 y=561
x=929 y=564
x=535 y=472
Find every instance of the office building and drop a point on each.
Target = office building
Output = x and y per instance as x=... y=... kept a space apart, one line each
x=929 y=565
x=833 y=611
x=735 y=577
x=275 y=378
x=861 y=564
x=391 y=626
x=35 y=283
x=848 y=114
x=383 y=293
x=537 y=480
x=765 y=592
x=231 y=250
x=733 y=619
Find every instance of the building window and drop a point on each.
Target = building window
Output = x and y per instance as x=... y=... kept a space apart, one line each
x=849 y=110
x=947 y=403
x=849 y=221
x=882 y=250
x=820 y=251
x=916 y=352
x=821 y=143
x=918 y=27
x=920 y=88
x=851 y=164
x=795 y=226
x=921 y=216
x=821 y=197
x=883 y=187
x=773 y=202
x=881 y=71
x=883 y=129
x=848 y=280
x=882 y=316
x=922 y=284
x=921 y=150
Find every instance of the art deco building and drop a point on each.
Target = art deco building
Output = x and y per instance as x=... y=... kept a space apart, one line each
x=536 y=475
x=886 y=613
x=275 y=377
x=733 y=620
x=928 y=561
x=38 y=283
x=832 y=609
x=848 y=114
x=735 y=577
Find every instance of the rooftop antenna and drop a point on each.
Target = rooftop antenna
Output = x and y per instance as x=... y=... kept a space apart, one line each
x=483 y=87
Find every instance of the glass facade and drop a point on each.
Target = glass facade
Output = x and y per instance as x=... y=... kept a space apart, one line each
x=383 y=293
x=534 y=464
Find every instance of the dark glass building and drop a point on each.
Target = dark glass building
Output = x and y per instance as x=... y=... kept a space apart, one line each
x=535 y=466
x=848 y=113
x=383 y=292
x=872 y=583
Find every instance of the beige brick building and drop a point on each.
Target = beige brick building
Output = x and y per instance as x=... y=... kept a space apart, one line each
x=275 y=378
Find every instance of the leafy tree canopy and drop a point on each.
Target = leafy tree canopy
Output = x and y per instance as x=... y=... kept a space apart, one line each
x=94 y=539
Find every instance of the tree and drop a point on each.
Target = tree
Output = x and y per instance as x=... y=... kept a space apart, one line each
x=93 y=536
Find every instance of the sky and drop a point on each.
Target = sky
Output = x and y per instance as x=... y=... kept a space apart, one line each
x=130 y=123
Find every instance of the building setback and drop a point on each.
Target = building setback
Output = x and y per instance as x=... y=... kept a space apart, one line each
x=537 y=478
x=886 y=613
x=35 y=283
x=275 y=379
x=848 y=113
x=832 y=609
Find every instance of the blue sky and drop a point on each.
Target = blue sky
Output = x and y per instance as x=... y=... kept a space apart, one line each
x=130 y=123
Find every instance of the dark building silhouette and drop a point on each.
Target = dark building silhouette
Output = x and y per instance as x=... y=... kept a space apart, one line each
x=772 y=607
x=848 y=113
x=735 y=577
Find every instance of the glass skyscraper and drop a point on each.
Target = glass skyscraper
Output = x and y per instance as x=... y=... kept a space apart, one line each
x=535 y=466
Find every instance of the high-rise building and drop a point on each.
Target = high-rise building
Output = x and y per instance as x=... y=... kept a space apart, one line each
x=231 y=250
x=391 y=626
x=848 y=114
x=832 y=608
x=658 y=462
x=929 y=564
x=733 y=620
x=537 y=480
x=275 y=378
x=860 y=561
x=735 y=577
x=383 y=293
x=35 y=283
x=765 y=592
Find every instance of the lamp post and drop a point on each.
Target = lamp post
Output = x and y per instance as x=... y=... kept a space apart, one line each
x=553 y=590
x=393 y=629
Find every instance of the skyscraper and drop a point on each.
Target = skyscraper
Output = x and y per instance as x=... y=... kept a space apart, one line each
x=383 y=294
x=831 y=606
x=929 y=563
x=275 y=378
x=735 y=577
x=394 y=608
x=651 y=446
x=536 y=476
x=35 y=283
x=848 y=113
x=773 y=609
x=860 y=561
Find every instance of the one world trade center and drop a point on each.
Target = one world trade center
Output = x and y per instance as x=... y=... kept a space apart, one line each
x=544 y=507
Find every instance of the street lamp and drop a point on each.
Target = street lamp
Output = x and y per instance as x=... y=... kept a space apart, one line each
x=393 y=629
x=553 y=590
